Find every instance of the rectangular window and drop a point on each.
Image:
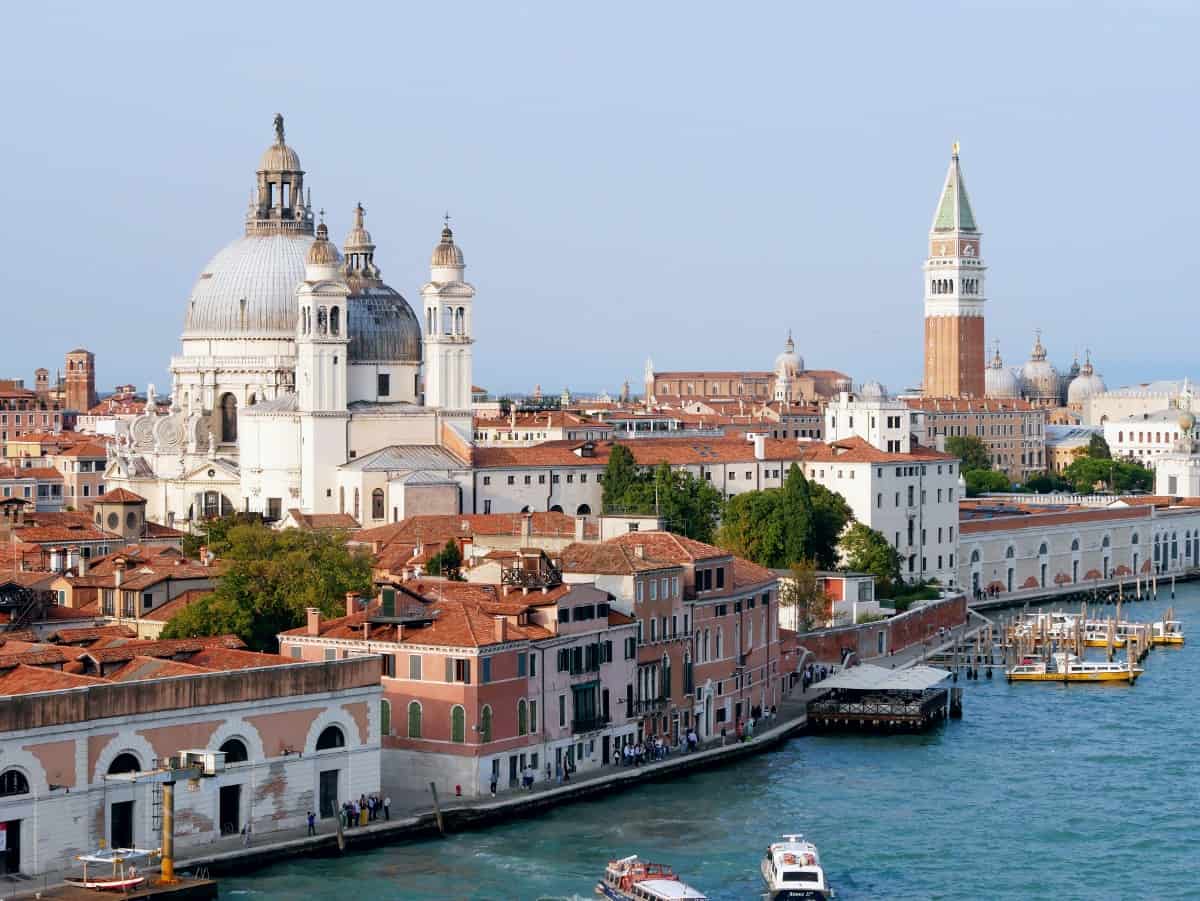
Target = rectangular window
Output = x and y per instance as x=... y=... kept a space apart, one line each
x=570 y=477
x=487 y=480
x=331 y=653
x=562 y=710
x=542 y=479
x=654 y=589
x=383 y=385
x=533 y=725
x=720 y=577
x=389 y=665
x=485 y=670
x=520 y=664
x=512 y=480
x=296 y=651
x=639 y=592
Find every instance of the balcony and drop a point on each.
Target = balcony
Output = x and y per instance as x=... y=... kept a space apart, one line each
x=588 y=724
x=647 y=706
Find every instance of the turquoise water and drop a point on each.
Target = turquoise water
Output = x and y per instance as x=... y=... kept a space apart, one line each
x=1041 y=791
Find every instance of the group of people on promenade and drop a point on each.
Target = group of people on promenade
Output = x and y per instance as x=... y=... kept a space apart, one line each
x=358 y=813
x=816 y=672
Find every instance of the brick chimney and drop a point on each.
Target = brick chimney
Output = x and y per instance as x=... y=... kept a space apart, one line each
x=351 y=603
x=580 y=523
x=501 y=628
x=366 y=630
x=526 y=529
x=314 y=621
x=81 y=563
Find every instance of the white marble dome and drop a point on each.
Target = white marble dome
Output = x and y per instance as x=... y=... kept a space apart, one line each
x=872 y=390
x=1038 y=377
x=999 y=382
x=1085 y=385
x=789 y=362
x=248 y=290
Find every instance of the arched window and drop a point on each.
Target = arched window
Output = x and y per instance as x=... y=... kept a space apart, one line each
x=13 y=782
x=356 y=503
x=458 y=725
x=1010 y=553
x=583 y=510
x=341 y=499
x=556 y=509
x=335 y=321
x=377 y=511
x=522 y=717
x=458 y=321
x=448 y=320
x=975 y=556
x=228 y=418
x=331 y=737
x=1074 y=544
x=1107 y=542
x=322 y=319
x=125 y=762
x=235 y=751
x=414 y=719
x=385 y=718
x=1042 y=550
x=485 y=724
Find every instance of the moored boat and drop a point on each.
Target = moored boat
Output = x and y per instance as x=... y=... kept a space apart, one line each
x=1069 y=668
x=633 y=879
x=1166 y=633
x=792 y=871
x=124 y=875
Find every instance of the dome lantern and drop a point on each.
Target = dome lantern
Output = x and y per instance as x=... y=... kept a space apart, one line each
x=278 y=203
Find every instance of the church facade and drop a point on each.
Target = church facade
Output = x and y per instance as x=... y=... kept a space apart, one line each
x=297 y=362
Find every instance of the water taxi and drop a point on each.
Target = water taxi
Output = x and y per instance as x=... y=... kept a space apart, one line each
x=792 y=871
x=1166 y=633
x=124 y=875
x=632 y=879
x=1069 y=668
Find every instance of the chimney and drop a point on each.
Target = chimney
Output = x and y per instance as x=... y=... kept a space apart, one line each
x=81 y=563
x=351 y=603
x=939 y=443
x=526 y=529
x=55 y=560
x=760 y=447
x=501 y=629
x=639 y=551
x=580 y=522
x=314 y=621
x=400 y=632
x=204 y=554
x=118 y=572
x=366 y=630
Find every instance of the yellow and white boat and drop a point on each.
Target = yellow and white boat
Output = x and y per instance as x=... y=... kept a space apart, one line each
x=1166 y=633
x=1069 y=668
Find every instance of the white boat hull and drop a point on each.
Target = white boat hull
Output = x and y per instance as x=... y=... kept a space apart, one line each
x=791 y=893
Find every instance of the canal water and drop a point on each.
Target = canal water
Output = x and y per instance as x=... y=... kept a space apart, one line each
x=1041 y=791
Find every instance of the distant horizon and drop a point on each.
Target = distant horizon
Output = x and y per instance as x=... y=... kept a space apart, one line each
x=723 y=184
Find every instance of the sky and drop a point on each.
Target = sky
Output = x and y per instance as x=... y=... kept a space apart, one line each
x=681 y=181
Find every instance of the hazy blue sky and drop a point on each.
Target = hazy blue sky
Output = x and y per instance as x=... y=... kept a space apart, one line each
x=684 y=181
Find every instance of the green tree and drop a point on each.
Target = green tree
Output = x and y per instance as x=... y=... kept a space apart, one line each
x=970 y=450
x=981 y=481
x=867 y=551
x=1098 y=448
x=619 y=476
x=1045 y=482
x=270 y=580
x=779 y=527
x=802 y=591
x=1086 y=474
x=446 y=562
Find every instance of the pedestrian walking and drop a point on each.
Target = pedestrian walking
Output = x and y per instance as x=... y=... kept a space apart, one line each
x=312 y=823
x=387 y=807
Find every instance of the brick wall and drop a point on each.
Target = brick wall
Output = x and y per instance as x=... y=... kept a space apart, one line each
x=899 y=632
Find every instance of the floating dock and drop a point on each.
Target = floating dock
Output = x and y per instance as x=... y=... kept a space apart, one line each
x=181 y=890
x=875 y=699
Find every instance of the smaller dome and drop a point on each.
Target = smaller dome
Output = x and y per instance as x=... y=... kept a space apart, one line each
x=1086 y=384
x=999 y=382
x=358 y=236
x=789 y=362
x=447 y=254
x=872 y=390
x=323 y=252
x=279 y=158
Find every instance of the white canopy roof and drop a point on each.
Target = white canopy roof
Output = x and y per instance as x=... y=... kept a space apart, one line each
x=868 y=677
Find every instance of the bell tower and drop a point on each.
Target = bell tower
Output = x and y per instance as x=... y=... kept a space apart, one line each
x=81 y=380
x=448 y=300
x=954 y=295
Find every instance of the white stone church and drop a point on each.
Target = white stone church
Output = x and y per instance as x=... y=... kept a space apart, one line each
x=305 y=381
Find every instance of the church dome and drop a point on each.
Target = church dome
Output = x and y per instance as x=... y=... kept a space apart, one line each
x=999 y=382
x=447 y=254
x=279 y=158
x=249 y=288
x=322 y=252
x=382 y=327
x=872 y=390
x=1085 y=385
x=1038 y=377
x=789 y=362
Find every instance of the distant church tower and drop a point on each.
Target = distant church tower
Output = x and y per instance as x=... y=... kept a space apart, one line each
x=447 y=299
x=954 y=296
x=81 y=380
x=321 y=373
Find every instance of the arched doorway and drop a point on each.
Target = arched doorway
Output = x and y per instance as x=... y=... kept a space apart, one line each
x=583 y=510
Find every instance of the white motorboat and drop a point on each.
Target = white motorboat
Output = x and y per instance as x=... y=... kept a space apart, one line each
x=792 y=870
x=632 y=879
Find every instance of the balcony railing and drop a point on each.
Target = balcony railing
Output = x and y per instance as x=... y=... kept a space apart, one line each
x=649 y=705
x=588 y=724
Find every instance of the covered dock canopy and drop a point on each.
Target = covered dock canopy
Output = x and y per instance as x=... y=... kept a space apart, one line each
x=868 y=677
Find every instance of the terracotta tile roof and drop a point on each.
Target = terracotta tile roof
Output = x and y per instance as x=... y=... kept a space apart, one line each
x=669 y=547
x=646 y=452
x=606 y=559
x=1049 y=520
x=29 y=679
x=617 y=618
x=34 y=655
x=858 y=450
x=66 y=613
x=158 y=530
x=67 y=534
x=119 y=496
x=438 y=528
x=164 y=612
x=85 y=449
x=26 y=579
x=90 y=634
x=110 y=650
x=322 y=521
x=964 y=405
x=216 y=658
x=140 y=668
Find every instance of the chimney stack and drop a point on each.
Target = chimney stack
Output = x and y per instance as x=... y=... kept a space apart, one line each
x=314 y=621
x=526 y=529
x=366 y=630
x=55 y=560
x=760 y=447
x=351 y=603
x=81 y=563
x=501 y=629
x=580 y=523
x=639 y=551
x=118 y=572
x=204 y=554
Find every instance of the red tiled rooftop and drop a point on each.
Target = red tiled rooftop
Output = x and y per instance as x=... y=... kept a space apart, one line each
x=24 y=679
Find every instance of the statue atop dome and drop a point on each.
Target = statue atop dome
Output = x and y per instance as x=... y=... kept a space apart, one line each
x=279 y=128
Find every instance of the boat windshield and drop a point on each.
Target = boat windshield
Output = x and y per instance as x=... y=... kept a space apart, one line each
x=801 y=876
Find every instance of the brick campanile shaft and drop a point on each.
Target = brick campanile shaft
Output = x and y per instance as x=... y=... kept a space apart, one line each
x=954 y=296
